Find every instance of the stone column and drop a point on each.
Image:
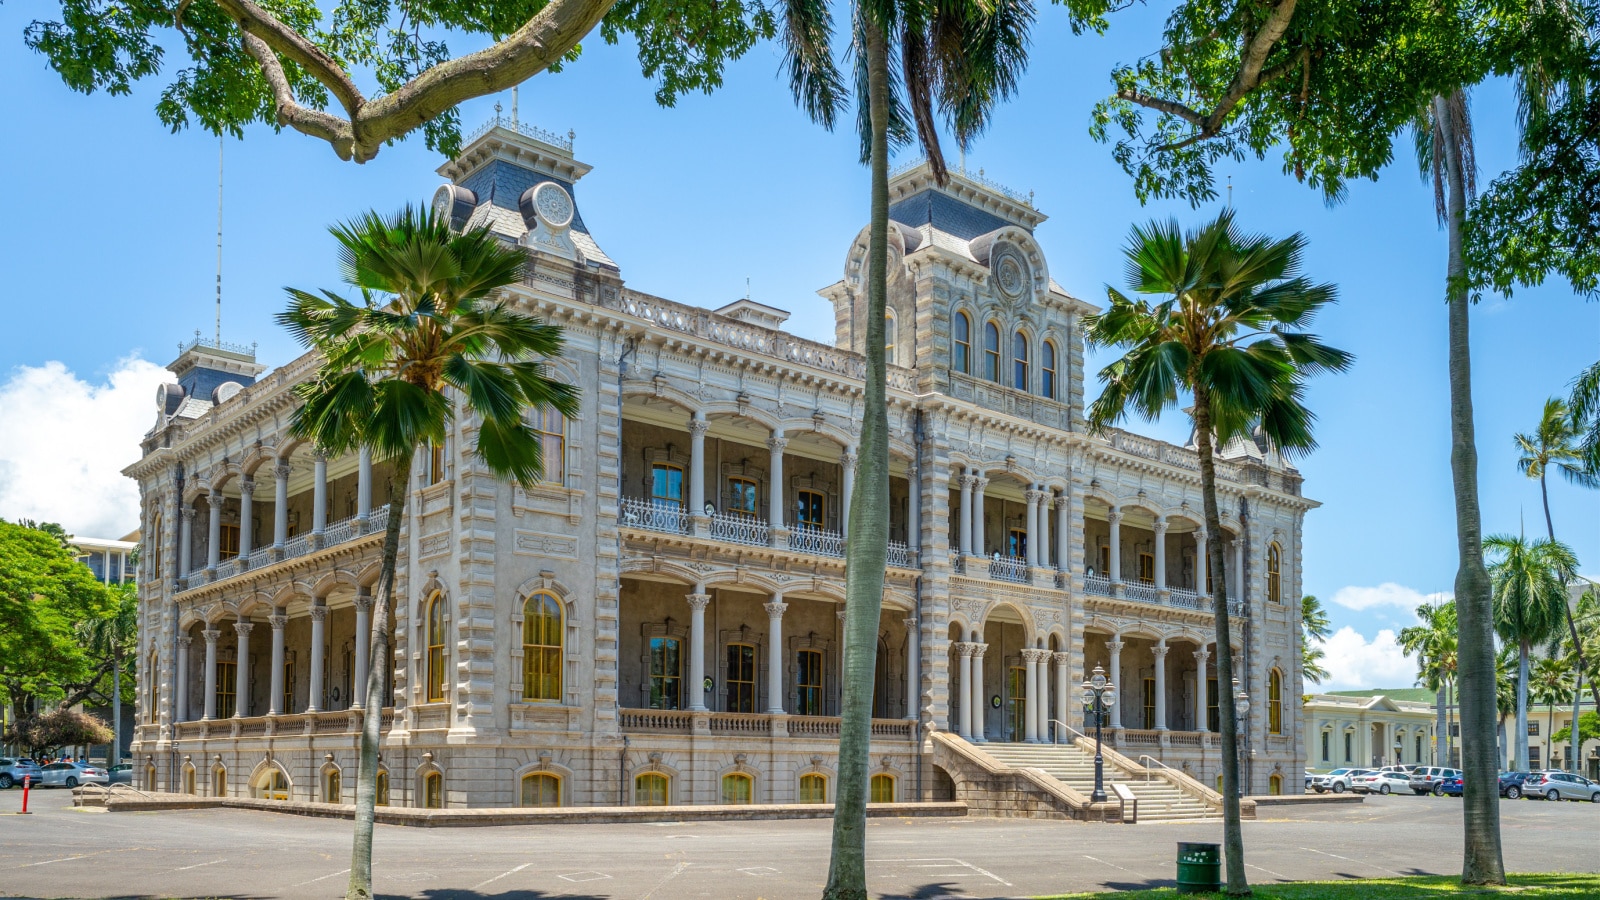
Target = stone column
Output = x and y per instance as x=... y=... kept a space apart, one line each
x=967 y=481
x=185 y=541
x=697 y=650
x=1160 y=653
x=914 y=507
x=1201 y=702
x=697 y=464
x=1031 y=526
x=247 y=502
x=775 y=654
x=847 y=486
x=1042 y=541
x=280 y=507
x=964 y=718
x=241 y=690
x=363 y=640
x=978 y=544
x=181 y=702
x=1063 y=692
x=1201 y=561
x=1064 y=534
x=1030 y=703
x=913 y=657
x=275 y=699
x=775 y=499
x=319 y=613
x=210 y=700
x=1160 y=529
x=364 y=487
x=319 y=494
x=1238 y=592
x=980 y=703
x=1115 y=648
x=1115 y=519
x=214 y=532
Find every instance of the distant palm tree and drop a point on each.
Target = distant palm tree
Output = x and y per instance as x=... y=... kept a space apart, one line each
x=1225 y=325
x=1585 y=404
x=1314 y=626
x=1530 y=601
x=1433 y=642
x=427 y=332
x=1550 y=684
x=110 y=638
x=1505 y=698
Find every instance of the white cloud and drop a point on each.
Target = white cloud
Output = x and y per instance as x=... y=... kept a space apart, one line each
x=1398 y=596
x=64 y=442
x=1355 y=663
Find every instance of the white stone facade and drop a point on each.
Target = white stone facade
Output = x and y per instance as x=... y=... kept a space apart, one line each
x=659 y=559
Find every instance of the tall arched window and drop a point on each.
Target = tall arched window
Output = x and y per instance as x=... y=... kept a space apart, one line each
x=1019 y=361
x=541 y=789
x=991 y=351
x=552 y=428
x=435 y=642
x=882 y=789
x=433 y=791
x=813 y=788
x=961 y=343
x=541 y=647
x=332 y=786
x=383 y=787
x=1047 y=370
x=652 y=789
x=888 y=336
x=738 y=789
x=1274 y=572
x=153 y=712
x=1275 y=702
x=156 y=543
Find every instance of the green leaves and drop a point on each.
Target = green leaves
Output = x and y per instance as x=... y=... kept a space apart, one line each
x=1530 y=594
x=45 y=594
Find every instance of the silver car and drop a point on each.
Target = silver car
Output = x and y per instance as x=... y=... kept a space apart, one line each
x=1553 y=784
x=1381 y=782
x=13 y=771
x=72 y=774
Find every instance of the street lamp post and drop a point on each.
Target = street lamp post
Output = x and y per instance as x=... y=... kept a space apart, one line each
x=1241 y=705
x=1098 y=696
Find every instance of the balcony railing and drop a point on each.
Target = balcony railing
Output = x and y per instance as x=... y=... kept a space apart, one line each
x=1187 y=599
x=1142 y=591
x=1097 y=584
x=653 y=515
x=337 y=533
x=682 y=721
x=741 y=528
x=229 y=568
x=259 y=558
x=816 y=541
x=901 y=556
x=1009 y=568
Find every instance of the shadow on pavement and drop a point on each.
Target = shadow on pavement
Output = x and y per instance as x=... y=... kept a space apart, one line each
x=928 y=892
x=520 y=894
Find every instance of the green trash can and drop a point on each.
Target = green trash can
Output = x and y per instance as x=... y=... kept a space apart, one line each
x=1199 y=868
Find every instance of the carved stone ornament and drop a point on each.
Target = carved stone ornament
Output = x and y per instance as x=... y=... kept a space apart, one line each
x=554 y=205
x=1009 y=276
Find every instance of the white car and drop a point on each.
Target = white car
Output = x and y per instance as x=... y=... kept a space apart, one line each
x=1381 y=782
x=1338 y=780
x=72 y=774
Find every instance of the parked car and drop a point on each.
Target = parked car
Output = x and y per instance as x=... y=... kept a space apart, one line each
x=121 y=773
x=12 y=771
x=72 y=774
x=1451 y=787
x=1380 y=782
x=1310 y=777
x=1511 y=784
x=1337 y=781
x=1403 y=770
x=1553 y=784
x=1426 y=779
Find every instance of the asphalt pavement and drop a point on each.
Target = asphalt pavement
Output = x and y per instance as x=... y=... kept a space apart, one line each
x=59 y=851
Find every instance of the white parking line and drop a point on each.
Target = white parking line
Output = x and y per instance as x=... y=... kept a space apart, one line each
x=943 y=862
x=47 y=862
x=198 y=865
x=322 y=878
x=676 y=871
x=1111 y=864
x=500 y=876
x=1356 y=861
x=1269 y=872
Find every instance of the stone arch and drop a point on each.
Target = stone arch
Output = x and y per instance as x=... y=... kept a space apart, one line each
x=330 y=769
x=901 y=600
x=654 y=765
x=674 y=571
x=1030 y=630
x=261 y=777
x=329 y=581
x=660 y=390
x=257 y=456
x=419 y=780
x=544 y=766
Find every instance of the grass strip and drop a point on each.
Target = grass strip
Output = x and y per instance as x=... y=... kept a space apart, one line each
x=1555 y=886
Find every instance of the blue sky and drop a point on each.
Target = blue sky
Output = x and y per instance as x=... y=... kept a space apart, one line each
x=110 y=255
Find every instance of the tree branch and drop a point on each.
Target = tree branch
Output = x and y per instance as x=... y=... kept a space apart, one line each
x=1171 y=107
x=313 y=122
x=1248 y=78
x=257 y=22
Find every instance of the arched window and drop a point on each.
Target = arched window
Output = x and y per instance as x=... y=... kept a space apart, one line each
x=541 y=647
x=219 y=781
x=738 y=789
x=156 y=544
x=433 y=791
x=188 y=780
x=272 y=785
x=652 y=789
x=551 y=426
x=813 y=788
x=882 y=789
x=888 y=336
x=541 y=789
x=961 y=343
x=741 y=678
x=1275 y=784
x=991 y=351
x=1047 y=370
x=1275 y=702
x=332 y=786
x=435 y=643
x=1274 y=572
x=1019 y=361
x=383 y=787
x=149 y=776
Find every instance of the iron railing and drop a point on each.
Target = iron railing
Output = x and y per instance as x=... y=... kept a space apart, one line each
x=816 y=541
x=1186 y=599
x=741 y=528
x=1097 y=584
x=1009 y=568
x=524 y=129
x=1142 y=591
x=653 y=515
x=901 y=556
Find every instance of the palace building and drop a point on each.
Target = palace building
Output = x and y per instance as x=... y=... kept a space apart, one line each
x=659 y=621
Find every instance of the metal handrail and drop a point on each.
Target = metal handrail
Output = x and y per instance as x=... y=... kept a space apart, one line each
x=1147 y=773
x=1056 y=735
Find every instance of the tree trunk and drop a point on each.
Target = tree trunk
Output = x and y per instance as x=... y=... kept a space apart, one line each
x=1441 y=728
x=866 y=554
x=1232 y=832
x=360 y=887
x=115 y=756
x=1482 y=861
x=1572 y=634
x=1521 y=742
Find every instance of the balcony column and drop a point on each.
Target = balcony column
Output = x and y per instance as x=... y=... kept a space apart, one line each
x=697 y=464
x=363 y=640
x=214 y=531
x=1159 y=651
x=1201 y=561
x=1114 y=517
x=978 y=544
x=241 y=689
x=180 y=705
x=1063 y=671
x=913 y=507
x=1030 y=703
x=847 y=486
x=775 y=654
x=1064 y=534
x=247 y=502
x=1202 y=717
x=1115 y=649
x=964 y=717
x=278 y=619
x=185 y=540
x=697 y=649
x=1160 y=529
x=1030 y=550
x=967 y=482
x=319 y=613
x=280 y=508
x=913 y=656
x=979 y=701
x=1042 y=519
x=364 y=488
x=210 y=700
x=1238 y=592
x=775 y=499
x=319 y=494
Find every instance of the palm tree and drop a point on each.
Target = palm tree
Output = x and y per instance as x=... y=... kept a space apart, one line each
x=1548 y=685
x=1433 y=642
x=425 y=336
x=964 y=58
x=1225 y=327
x=1530 y=600
x=1585 y=404
x=1445 y=153
x=1505 y=697
x=1314 y=628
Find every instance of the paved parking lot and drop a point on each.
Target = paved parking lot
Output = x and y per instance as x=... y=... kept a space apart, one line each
x=62 y=852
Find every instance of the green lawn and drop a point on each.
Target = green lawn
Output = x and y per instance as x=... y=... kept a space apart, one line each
x=1531 y=887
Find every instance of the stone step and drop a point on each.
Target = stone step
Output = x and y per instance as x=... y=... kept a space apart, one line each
x=1158 y=801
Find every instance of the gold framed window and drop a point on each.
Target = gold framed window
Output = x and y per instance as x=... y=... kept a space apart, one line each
x=1016 y=702
x=288 y=687
x=542 y=632
x=1016 y=543
x=1212 y=716
x=541 y=789
x=888 y=336
x=1275 y=702
x=1274 y=572
x=813 y=788
x=1019 y=361
x=228 y=541
x=227 y=681
x=152 y=712
x=435 y=643
x=1105 y=561
x=666 y=673
x=274 y=786
x=433 y=791
x=811 y=508
x=961 y=343
x=383 y=787
x=741 y=678
x=808 y=683
x=1147 y=568
x=435 y=470
x=332 y=787
x=743 y=496
x=738 y=789
x=652 y=789
x=666 y=484
x=155 y=544
x=882 y=789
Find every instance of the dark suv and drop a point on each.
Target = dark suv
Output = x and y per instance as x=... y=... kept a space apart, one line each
x=1511 y=784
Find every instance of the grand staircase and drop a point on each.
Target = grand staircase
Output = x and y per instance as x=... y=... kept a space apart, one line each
x=1159 y=799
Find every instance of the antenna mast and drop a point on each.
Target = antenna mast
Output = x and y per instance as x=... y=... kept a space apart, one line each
x=219 y=240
